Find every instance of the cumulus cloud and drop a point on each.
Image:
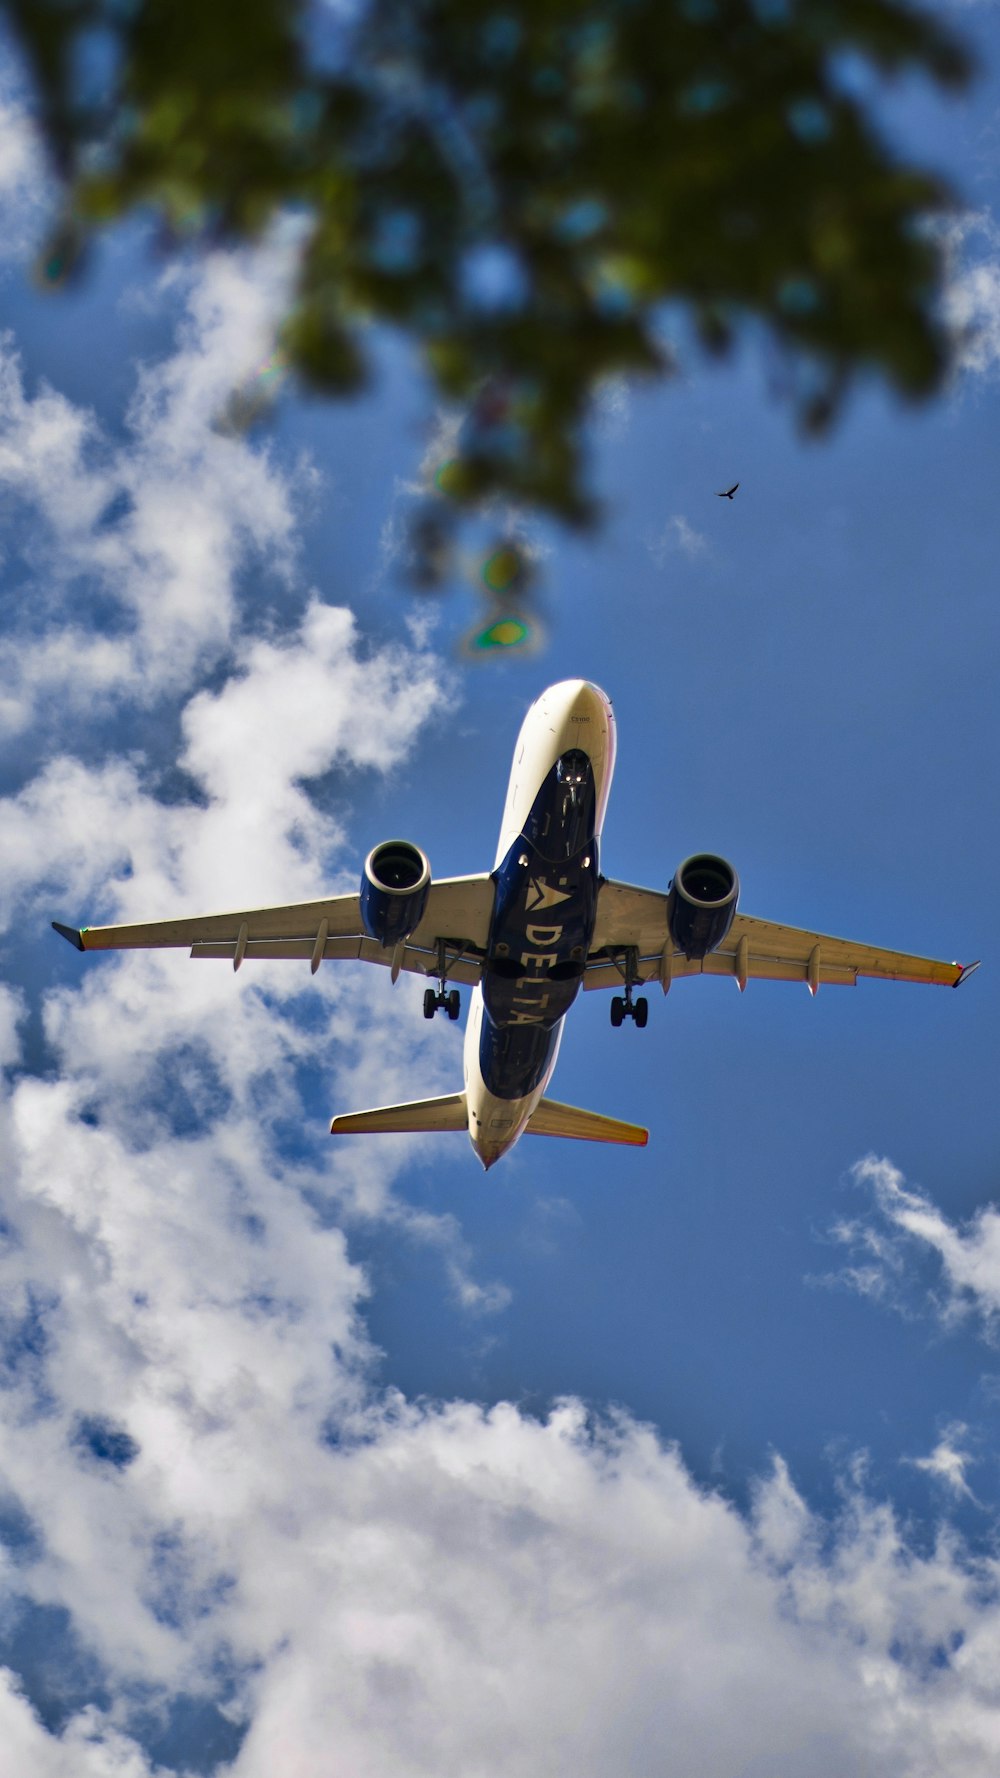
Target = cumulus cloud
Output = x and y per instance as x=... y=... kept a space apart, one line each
x=157 y=526
x=438 y=1588
x=97 y=844
x=180 y=1341
x=91 y=1746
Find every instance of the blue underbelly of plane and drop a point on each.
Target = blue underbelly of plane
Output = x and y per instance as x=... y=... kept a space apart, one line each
x=543 y=923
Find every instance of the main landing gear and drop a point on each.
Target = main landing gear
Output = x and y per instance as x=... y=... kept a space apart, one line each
x=450 y=999
x=622 y=1005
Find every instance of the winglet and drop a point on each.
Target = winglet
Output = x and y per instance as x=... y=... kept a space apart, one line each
x=75 y=938
x=968 y=969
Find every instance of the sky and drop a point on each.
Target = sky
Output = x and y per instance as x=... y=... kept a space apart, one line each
x=326 y=1458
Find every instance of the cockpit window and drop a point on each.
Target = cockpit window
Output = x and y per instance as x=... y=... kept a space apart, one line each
x=561 y=821
x=571 y=768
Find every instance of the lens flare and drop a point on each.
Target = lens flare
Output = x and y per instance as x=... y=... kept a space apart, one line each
x=506 y=634
x=448 y=476
x=254 y=398
x=62 y=257
x=273 y=368
x=504 y=569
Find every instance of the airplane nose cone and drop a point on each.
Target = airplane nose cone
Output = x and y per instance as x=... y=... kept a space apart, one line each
x=579 y=714
x=578 y=698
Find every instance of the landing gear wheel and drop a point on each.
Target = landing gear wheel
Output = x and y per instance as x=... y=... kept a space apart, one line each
x=617 y=1010
x=430 y=1003
x=453 y=1002
x=640 y=1013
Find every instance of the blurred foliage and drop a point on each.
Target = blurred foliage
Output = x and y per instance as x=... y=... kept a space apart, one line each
x=522 y=185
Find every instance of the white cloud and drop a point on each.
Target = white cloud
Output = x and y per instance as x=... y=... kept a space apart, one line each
x=442 y=443
x=972 y=296
x=947 y=1463
x=677 y=537
x=451 y=1589
x=162 y=1269
x=161 y=524
x=25 y=193
x=12 y=1010
x=262 y=835
x=93 y=844
x=611 y=407
x=414 y=1588
x=90 y=1747
x=905 y=1225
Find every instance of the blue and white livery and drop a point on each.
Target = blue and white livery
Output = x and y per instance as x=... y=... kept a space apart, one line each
x=528 y=935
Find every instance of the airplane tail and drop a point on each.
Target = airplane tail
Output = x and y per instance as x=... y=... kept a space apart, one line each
x=451 y=1113
x=447 y=1113
x=552 y=1119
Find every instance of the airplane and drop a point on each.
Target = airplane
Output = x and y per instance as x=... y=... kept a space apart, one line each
x=528 y=935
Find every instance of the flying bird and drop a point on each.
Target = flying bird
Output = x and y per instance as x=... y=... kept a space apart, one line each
x=727 y=493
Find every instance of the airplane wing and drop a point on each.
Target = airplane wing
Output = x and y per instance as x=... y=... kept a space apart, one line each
x=629 y=918
x=457 y=915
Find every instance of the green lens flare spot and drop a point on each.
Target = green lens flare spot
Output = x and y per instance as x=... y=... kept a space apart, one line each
x=449 y=476
x=501 y=570
x=507 y=632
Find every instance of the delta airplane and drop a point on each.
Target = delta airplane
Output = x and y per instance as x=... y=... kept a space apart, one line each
x=528 y=935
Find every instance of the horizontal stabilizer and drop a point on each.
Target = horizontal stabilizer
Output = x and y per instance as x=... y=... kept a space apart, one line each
x=447 y=1113
x=553 y=1119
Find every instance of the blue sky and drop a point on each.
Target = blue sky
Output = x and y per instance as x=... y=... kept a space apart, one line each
x=680 y=1459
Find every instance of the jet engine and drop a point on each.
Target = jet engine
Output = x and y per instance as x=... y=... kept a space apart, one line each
x=701 y=902
x=394 y=886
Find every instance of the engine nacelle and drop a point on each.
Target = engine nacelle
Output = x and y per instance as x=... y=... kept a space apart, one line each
x=701 y=903
x=394 y=886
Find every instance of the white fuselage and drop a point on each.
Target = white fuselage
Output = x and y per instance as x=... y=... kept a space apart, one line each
x=573 y=715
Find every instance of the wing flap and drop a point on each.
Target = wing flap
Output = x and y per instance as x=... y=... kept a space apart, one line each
x=769 y=943
x=603 y=973
x=446 y=1113
x=779 y=969
x=459 y=911
x=550 y=1118
x=463 y=970
x=302 y=920
x=629 y=917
